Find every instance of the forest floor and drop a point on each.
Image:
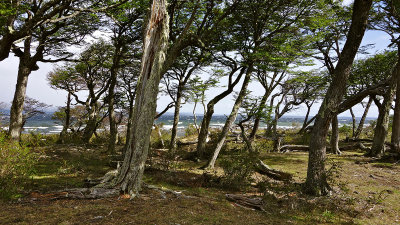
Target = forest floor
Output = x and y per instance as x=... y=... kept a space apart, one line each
x=364 y=192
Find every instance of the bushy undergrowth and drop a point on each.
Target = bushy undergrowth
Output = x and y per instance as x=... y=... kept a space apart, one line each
x=190 y=130
x=156 y=140
x=238 y=169
x=16 y=166
x=36 y=139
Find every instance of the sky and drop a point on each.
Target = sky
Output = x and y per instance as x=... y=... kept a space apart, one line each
x=39 y=89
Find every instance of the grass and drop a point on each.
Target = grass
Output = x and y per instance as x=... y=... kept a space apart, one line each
x=364 y=193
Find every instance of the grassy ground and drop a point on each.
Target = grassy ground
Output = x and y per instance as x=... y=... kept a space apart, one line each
x=364 y=192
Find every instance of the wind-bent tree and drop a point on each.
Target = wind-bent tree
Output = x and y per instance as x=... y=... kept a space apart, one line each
x=154 y=52
x=46 y=43
x=176 y=83
x=32 y=108
x=388 y=20
x=266 y=35
x=365 y=74
x=20 y=18
x=233 y=69
x=316 y=183
x=126 y=24
x=91 y=74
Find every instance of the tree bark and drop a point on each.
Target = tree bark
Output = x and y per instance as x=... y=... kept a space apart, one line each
x=231 y=119
x=362 y=121
x=67 y=118
x=111 y=98
x=335 y=136
x=205 y=124
x=305 y=122
x=257 y=120
x=130 y=175
x=316 y=182
x=203 y=135
x=353 y=118
x=91 y=124
x=17 y=107
x=382 y=123
x=176 y=118
x=395 y=140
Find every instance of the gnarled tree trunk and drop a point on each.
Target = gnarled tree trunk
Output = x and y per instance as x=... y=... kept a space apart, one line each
x=174 y=130
x=395 y=141
x=316 y=183
x=17 y=107
x=111 y=99
x=362 y=120
x=67 y=118
x=231 y=119
x=155 y=45
x=382 y=123
x=335 y=136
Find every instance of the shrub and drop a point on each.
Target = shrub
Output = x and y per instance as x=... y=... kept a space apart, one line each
x=16 y=166
x=36 y=139
x=238 y=170
x=346 y=130
x=190 y=130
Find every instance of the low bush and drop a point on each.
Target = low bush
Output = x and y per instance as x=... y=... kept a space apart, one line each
x=16 y=166
x=238 y=170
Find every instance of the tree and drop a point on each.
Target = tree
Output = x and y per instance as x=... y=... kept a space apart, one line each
x=176 y=83
x=32 y=108
x=46 y=43
x=316 y=183
x=91 y=74
x=154 y=52
x=365 y=74
x=20 y=18
x=388 y=20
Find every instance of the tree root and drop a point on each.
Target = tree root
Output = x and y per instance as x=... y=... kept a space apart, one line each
x=264 y=169
x=241 y=200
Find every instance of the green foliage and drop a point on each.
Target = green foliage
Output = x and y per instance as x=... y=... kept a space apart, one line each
x=190 y=130
x=36 y=139
x=263 y=145
x=156 y=140
x=16 y=166
x=238 y=169
x=346 y=129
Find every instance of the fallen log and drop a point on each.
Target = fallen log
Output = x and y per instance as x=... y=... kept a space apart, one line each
x=254 y=203
x=182 y=143
x=286 y=148
x=264 y=169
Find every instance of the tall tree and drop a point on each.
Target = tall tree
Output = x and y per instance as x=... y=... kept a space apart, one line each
x=154 y=52
x=316 y=183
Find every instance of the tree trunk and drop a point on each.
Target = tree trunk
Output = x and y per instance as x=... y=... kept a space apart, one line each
x=316 y=183
x=335 y=136
x=111 y=99
x=305 y=122
x=155 y=45
x=353 y=118
x=67 y=118
x=362 y=121
x=257 y=120
x=91 y=124
x=395 y=141
x=382 y=123
x=129 y=127
x=176 y=119
x=231 y=119
x=205 y=124
x=17 y=107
